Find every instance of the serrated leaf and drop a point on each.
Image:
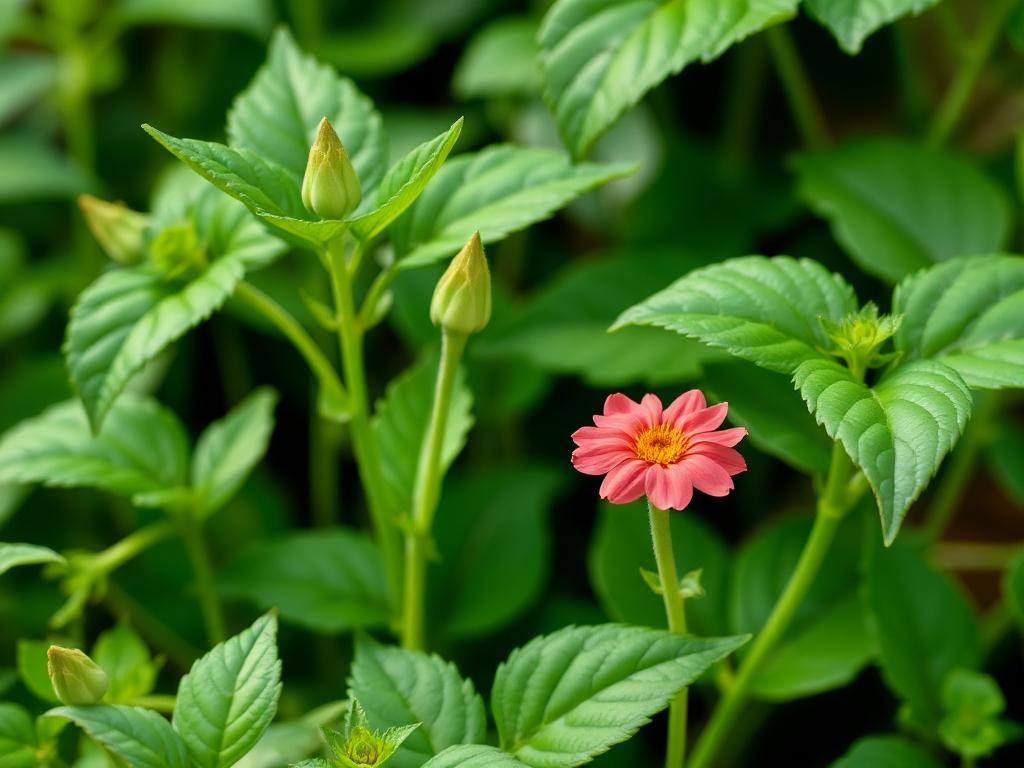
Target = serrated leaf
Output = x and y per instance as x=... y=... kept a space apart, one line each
x=886 y=752
x=498 y=190
x=17 y=737
x=969 y=314
x=897 y=432
x=229 y=449
x=230 y=695
x=763 y=310
x=599 y=57
x=397 y=687
x=277 y=115
x=404 y=182
x=328 y=581
x=853 y=21
x=564 y=698
x=142 y=449
x=473 y=756
x=13 y=555
x=897 y=206
x=131 y=670
x=140 y=736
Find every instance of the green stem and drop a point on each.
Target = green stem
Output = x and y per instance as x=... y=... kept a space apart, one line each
x=810 y=120
x=324 y=441
x=363 y=442
x=158 y=701
x=661 y=538
x=835 y=500
x=191 y=528
x=116 y=555
x=379 y=285
x=427 y=491
x=976 y=53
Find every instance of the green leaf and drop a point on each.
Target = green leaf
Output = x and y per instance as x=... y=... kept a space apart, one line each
x=473 y=756
x=897 y=432
x=500 y=61
x=827 y=643
x=17 y=737
x=564 y=698
x=131 y=670
x=972 y=701
x=493 y=542
x=853 y=21
x=277 y=115
x=498 y=190
x=897 y=206
x=252 y=16
x=599 y=57
x=924 y=626
x=32 y=669
x=229 y=449
x=886 y=752
x=229 y=697
x=621 y=546
x=1013 y=589
x=328 y=580
x=13 y=555
x=141 y=449
x=140 y=736
x=404 y=182
x=397 y=687
x=34 y=170
x=400 y=426
x=763 y=310
x=969 y=314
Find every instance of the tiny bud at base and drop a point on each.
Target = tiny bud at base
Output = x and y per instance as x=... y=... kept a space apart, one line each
x=462 y=298
x=330 y=185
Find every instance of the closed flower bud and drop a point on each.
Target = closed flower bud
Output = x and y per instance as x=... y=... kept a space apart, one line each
x=330 y=187
x=462 y=298
x=118 y=229
x=76 y=678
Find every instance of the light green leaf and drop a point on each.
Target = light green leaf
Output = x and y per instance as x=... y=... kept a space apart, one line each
x=252 y=16
x=763 y=310
x=500 y=61
x=897 y=432
x=397 y=687
x=32 y=669
x=26 y=77
x=229 y=449
x=131 y=670
x=13 y=555
x=229 y=697
x=886 y=752
x=498 y=190
x=140 y=736
x=328 y=581
x=473 y=756
x=34 y=170
x=853 y=21
x=142 y=449
x=969 y=314
x=277 y=115
x=924 y=626
x=599 y=57
x=404 y=182
x=564 y=698
x=17 y=737
x=973 y=702
x=897 y=206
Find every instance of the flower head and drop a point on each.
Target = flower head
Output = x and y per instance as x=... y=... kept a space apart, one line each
x=462 y=298
x=76 y=678
x=330 y=186
x=663 y=453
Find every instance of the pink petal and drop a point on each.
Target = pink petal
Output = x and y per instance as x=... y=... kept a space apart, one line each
x=652 y=409
x=624 y=483
x=596 y=458
x=667 y=487
x=728 y=458
x=704 y=420
x=585 y=435
x=684 y=405
x=619 y=403
x=627 y=423
x=726 y=437
x=706 y=474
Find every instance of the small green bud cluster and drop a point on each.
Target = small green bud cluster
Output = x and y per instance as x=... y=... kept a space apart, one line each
x=76 y=678
x=462 y=298
x=120 y=231
x=858 y=337
x=330 y=186
x=357 y=745
x=177 y=251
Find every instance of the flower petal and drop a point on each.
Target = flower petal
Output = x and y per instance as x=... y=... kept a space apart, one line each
x=625 y=482
x=728 y=458
x=585 y=435
x=598 y=457
x=684 y=405
x=667 y=487
x=651 y=405
x=726 y=437
x=619 y=403
x=704 y=420
x=707 y=475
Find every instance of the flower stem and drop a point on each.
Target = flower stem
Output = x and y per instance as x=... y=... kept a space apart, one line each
x=835 y=500
x=810 y=120
x=661 y=538
x=427 y=491
x=191 y=528
x=116 y=555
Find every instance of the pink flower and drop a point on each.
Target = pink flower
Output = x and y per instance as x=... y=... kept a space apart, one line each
x=664 y=454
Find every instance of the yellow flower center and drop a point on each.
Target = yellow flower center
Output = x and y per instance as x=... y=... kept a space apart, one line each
x=660 y=444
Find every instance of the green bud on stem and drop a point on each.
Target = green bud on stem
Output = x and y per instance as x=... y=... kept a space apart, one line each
x=118 y=229
x=76 y=678
x=330 y=186
x=462 y=298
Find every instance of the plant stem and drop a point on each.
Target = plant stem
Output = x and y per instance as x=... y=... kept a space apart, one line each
x=116 y=555
x=661 y=538
x=427 y=491
x=160 y=702
x=363 y=442
x=810 y=120
x=976 y=53
x=835 y=500
x=191 y=528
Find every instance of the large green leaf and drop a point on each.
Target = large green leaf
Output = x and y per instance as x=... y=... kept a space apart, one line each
x=498 y=190
x=397 y=687
x=897 y=206
x=131 y=669
x=328 y=581
x=853 y=21
x=969 y=314
x=13 y=555
x=763 y=310
x=229 y=697
x=17 y=737
x=473 y=756
x=886 y=752
x=500 y=61
x=564 y=698
x=599 y=57
x=277 y=115
x=139 y=736
x=142 y=449
x=897 y=432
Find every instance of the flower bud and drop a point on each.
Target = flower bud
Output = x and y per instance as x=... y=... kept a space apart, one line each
x=330 y=187
x=462 y=298
x=118 y=229
x=76 y=678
